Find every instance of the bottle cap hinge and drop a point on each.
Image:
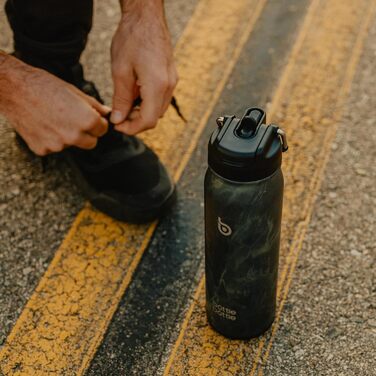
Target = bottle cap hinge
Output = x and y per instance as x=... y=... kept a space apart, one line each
x=282 y=135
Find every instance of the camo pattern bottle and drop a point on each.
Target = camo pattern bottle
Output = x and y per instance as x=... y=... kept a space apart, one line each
x=243 y=209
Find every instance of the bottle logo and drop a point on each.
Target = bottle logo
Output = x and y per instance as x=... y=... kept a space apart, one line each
x=223 y=228
x=224 y=312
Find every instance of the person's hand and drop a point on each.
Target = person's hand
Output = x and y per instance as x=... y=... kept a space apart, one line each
x=142 y=65
x=50 y=114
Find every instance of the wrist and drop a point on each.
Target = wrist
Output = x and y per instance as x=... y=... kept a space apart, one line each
x=140 y=8
x=4 y=64
x=7 y=73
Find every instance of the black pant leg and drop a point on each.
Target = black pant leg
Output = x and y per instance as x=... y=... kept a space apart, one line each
x=50 y=29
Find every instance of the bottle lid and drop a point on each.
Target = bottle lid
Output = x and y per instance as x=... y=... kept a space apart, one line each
x=246 y=149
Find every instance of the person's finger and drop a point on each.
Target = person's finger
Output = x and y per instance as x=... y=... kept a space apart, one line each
x=122 y=101
x=134 y=114
x=172 y=81
x=86 y=141
x=93 y=124
x=166 y=101
x=37 y=148
x=126 y=127
x=101 y=108
x=150 y=110
x=100 y=128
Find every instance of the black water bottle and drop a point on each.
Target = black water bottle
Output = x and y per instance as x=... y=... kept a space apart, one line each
x=243 y=209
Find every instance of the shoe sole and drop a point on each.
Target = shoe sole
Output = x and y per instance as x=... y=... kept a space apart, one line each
x=117 y=210
x=122 y=213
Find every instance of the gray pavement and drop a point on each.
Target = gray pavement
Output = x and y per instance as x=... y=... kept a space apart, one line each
x=329 y=323
x=36 y=210
x=146 y=324
x=36 y=207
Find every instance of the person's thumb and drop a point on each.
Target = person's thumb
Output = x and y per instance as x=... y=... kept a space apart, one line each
x=122 y=101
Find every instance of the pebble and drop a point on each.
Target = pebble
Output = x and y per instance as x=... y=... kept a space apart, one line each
x=333 y=333
x=27 y=270
x=357 y=319
x=361 y=171
x=372 y=322
x=355 y=253
x=110 y=12
x=15 y=191
x=332 y=194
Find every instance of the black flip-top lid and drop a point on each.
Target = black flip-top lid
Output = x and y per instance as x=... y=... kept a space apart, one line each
x=246 y=149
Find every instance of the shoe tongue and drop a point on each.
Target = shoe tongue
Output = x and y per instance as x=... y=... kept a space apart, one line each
x=111 y=149
x=111 y=140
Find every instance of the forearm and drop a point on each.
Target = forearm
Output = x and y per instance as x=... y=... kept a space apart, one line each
x=8 y=72
x=14 y=76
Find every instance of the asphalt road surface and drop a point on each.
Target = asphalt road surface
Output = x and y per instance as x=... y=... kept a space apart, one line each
x=83 y=294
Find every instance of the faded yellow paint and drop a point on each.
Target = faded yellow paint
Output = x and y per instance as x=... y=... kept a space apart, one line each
x=64 y=321
x=299 y=239
x=308 y=102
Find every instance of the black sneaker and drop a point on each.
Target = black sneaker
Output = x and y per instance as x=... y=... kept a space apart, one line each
x=121 y=176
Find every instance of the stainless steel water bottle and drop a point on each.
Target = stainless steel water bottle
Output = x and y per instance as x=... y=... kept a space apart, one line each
x=243 y=209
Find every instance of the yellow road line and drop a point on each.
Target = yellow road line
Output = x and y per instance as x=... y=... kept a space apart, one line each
x=184 y=326
x=343 y=94
x=307 y=102
x=65 y=319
